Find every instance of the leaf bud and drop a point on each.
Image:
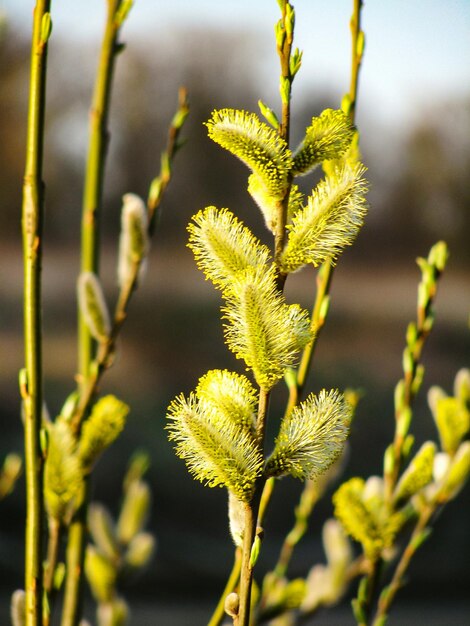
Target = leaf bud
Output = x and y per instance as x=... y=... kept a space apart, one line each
x=404 y=421
x=289 y=21
x=59 y=575
x=280 y=34
x=232 y=604
x=23 y=382
x=155 y=191
x=418 y=379
x=438 y=255
x=179 y=117
x=236 y=515
x=457 y=474
x=420 y=538
x=423 y=295
x=138 y=466
x=18 y=608
x=408 y=361
x=358 y=611
x=106 y=422
x=268 y=114
x=408 y=444
x=411 y=335
x=418 y=474
x=101 y=574
x=46 y=28
x=140 y=550
x=462 y=386
x=284 y=89
x=69 y=405
x=134 y=511
x=389 y=460
x=101 y=527
x=255 y=549
x=399 y=396
x=337 y=547
x=346 y=104
x=360 y=43
x=93 y=306
x=324 y=308
x=122 y=12
x=295 y=62
x=134 y=241
x=9 y=473
x=114 y=613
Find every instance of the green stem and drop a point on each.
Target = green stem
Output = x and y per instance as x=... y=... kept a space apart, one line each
x=250 y=525
x=32 y=218
x=308 y=499
x=94 y=174
x=246 y=574
x=93 y=191
x=232 y=582
x=396 y=583
x=55 y=530
x=74 y=565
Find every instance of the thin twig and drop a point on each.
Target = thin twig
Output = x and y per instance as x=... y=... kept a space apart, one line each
x=31 y=386
x=92 y=198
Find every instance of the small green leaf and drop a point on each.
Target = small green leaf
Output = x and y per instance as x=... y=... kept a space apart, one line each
x=268 y=114
x=46 y=28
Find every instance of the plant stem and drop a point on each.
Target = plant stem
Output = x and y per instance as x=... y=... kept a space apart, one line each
x=308 y=499
x=74 y=564
x=55 y=530
x=246 y=574
x=325 y=273
x=172 y=146
x=232 y=582
x=387 y=598
x=32 y=218
x=93 y=191
x=94 y=174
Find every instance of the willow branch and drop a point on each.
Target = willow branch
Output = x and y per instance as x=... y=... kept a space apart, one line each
x=31 y=386
x=232 y=582
x=92 y=198
x=396 y=583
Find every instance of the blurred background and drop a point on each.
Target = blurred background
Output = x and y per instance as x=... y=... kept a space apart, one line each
x=414 y=118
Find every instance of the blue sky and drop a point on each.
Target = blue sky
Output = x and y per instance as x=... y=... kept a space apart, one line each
x=418 y=51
